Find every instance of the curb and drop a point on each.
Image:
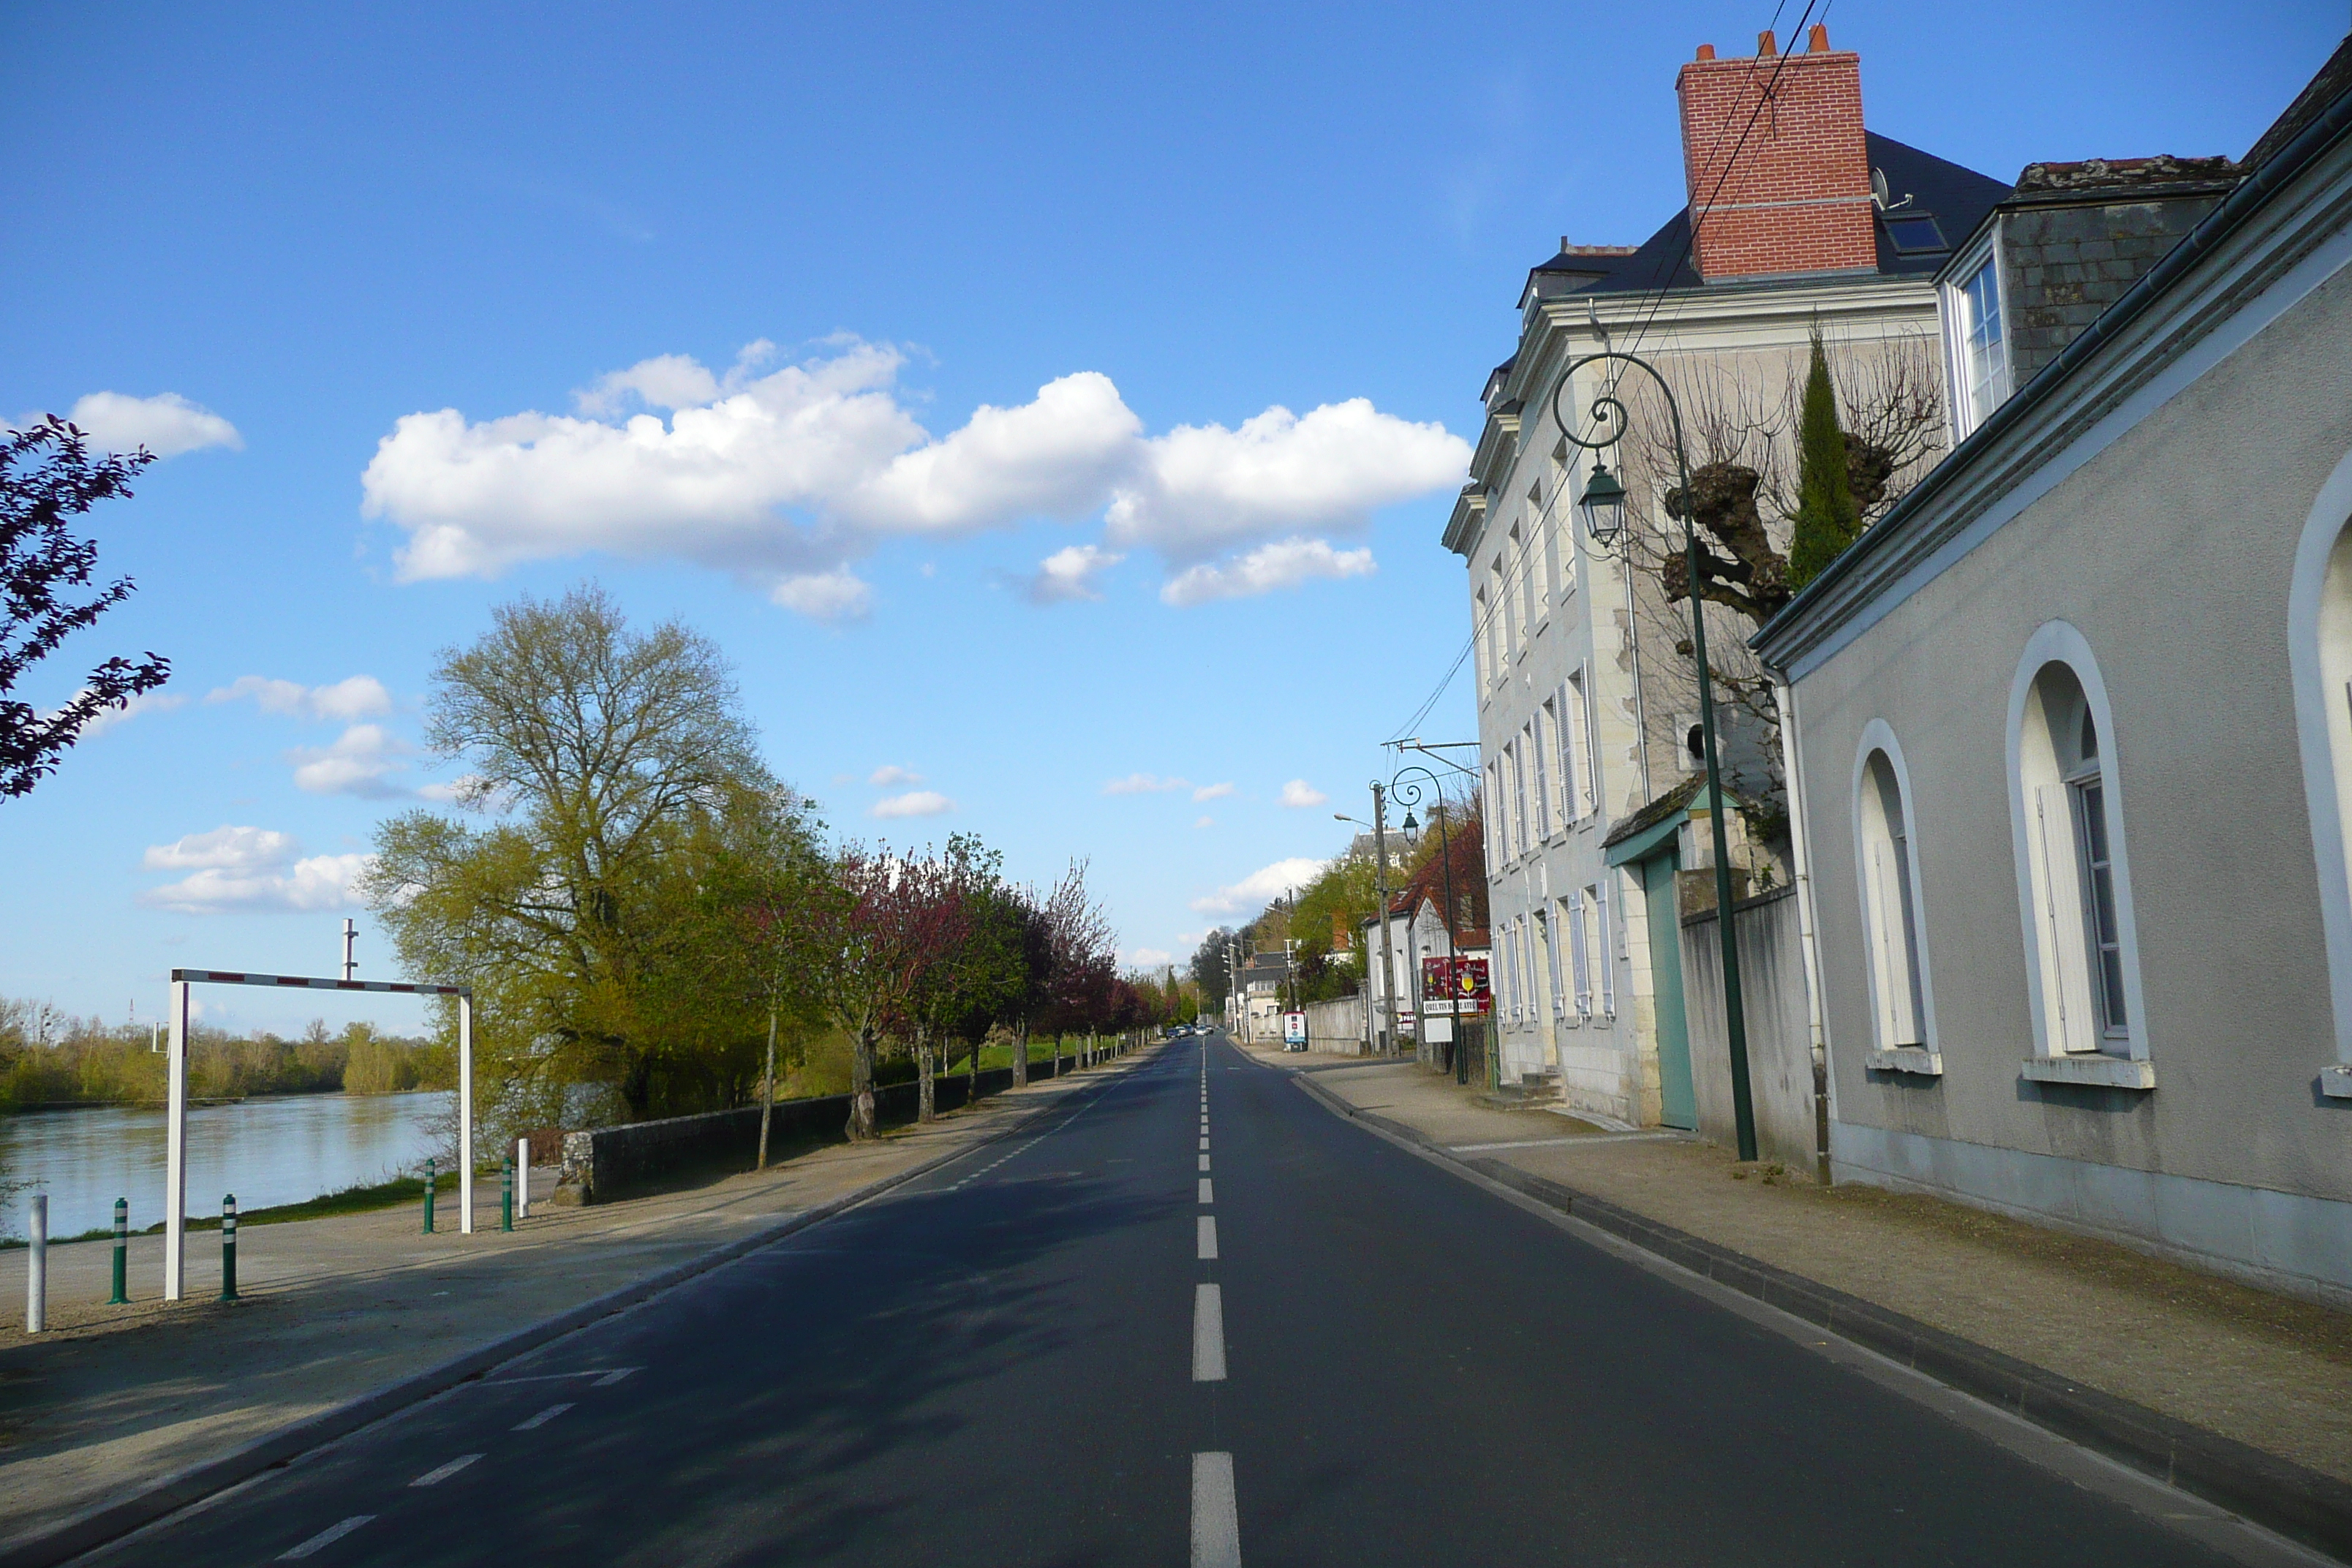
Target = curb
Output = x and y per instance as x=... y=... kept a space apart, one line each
x=2276 y=1493
x=109 y=1521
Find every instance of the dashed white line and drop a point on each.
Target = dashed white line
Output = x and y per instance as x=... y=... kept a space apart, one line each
x=435 y=1478
x=1204 y=1161
x=1207 y=1195
x=1206 y=1234
x=335 y=1532
x=1205 y=1141
x=1208 y=1334
x=542 y=1419
x=1217 y=1525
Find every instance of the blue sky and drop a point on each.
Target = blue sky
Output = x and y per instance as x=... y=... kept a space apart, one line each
x=1257 y=260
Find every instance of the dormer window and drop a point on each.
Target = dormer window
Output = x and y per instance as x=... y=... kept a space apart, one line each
x=1974 y=332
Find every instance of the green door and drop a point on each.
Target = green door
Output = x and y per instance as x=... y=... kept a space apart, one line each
x=1678 y=1101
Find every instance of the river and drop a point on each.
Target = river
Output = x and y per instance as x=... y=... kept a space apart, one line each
x=278 y=1149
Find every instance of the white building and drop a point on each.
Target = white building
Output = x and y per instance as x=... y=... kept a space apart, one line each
x=1586 y=692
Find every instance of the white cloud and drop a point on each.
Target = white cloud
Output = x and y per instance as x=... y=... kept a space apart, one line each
x=1261 y=886
x=1212 y=791
x=1143 y=784
x=1147 y=957
x=250 y=868
x=463 y=790
x=914 y=802
x=1206 y=489
x=224 y=848
x=354 y=697
x=1068 y=575
x=836 y=595
x=890 y=774
x=1299 y=793
x=788 y=476
x=1204 y=822
x=142 y=702
x=357 y=763
x=166 y=426
x=1284 y=564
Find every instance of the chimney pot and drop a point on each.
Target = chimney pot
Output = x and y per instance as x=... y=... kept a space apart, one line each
x=1765 y=45
x=1706 y=51
x=1817 y=42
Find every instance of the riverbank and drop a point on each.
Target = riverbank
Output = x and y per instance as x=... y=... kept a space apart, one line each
x=115 y=1398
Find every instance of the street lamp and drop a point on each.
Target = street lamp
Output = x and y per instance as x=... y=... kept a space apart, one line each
x=1410 y=792
x=1604 y=509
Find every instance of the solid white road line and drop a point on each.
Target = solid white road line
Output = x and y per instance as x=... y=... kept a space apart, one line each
x=1216 y=1527
x=1207 y=1197
x=1204 y=1161
x=335 y=1532
x=1208 y=1334
x=1207 y=1233
x=542 y=1419
x=435 y=1478
x=611 y=1377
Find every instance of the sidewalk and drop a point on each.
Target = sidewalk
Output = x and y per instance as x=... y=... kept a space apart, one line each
x=113 y=1399
x=2270 y=1371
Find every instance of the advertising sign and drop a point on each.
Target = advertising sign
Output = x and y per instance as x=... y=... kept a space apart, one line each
x=1294 y=1031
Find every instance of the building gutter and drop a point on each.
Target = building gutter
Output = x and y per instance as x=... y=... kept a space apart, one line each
x=2250 y=196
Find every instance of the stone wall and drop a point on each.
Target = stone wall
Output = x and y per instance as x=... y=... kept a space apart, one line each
x=608 y=1163
x=1337 y=1026
x=1780 y=1030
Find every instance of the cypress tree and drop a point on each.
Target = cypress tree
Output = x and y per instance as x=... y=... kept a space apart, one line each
x=1827 y=518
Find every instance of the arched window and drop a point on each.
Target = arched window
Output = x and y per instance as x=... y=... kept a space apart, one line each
x=1890 y=906
x=2319 y=637
x=2073 y=885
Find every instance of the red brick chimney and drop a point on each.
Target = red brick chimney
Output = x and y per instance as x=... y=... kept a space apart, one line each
x=1797 y=198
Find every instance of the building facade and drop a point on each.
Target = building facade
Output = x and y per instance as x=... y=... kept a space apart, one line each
x=1587 y=699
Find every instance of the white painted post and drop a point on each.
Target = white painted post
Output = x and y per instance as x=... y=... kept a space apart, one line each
x=522 y=1178
x=464 y=1116
x=176 y=1149
x=36 y=1274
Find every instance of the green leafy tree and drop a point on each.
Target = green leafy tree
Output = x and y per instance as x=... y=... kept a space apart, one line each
x=614 y=769
x=1826 y=519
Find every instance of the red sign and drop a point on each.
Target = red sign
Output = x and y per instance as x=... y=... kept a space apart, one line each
x=1457 y=985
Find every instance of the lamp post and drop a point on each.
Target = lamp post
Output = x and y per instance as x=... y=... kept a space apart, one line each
x=1604 y=505
x=1409 y=792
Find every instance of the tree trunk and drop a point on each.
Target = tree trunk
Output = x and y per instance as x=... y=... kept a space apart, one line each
x=1020 y=1057
x=767 y=1092
x=971 y=1090
x=861 y=1086
x=926 y=1098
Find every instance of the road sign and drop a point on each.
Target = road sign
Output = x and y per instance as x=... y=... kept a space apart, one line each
x=1294 y=1030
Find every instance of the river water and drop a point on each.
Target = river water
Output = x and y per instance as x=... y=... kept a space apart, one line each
x=278 y=1149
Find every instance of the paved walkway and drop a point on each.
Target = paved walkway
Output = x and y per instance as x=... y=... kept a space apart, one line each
x=114 y=1397
x=2268 y=1371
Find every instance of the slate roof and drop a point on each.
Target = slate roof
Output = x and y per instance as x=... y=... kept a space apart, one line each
x=1917 y=184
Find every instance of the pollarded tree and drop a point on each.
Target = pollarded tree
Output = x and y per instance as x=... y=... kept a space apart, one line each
x=895 y=922
x=46 y=476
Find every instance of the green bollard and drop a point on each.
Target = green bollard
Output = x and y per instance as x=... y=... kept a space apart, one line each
x=121 y=1296
x=228 y=1248
x=429 y=1179
x=506 y=1197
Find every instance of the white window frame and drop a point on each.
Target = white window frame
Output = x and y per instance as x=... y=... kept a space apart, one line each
x=1517 y=752
x=2046 y=844
x=1604 y=945
x=1959 y=326
x=1478 y=641
x=1542 y=726
x=1580 y=953
x=1552 y=957
x=1901 y=1016
x=1578 y=759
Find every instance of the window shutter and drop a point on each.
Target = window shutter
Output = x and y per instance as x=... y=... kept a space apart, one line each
x=1580 y=960
x=1551 y=955
x=1608 y=948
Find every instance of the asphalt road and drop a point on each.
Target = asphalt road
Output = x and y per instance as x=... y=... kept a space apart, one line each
x=1121 y=1338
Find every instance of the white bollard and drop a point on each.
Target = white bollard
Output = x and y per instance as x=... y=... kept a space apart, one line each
x=36 y=1275
x=522 y=1178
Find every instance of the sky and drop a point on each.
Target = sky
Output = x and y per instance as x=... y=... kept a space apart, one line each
x=1051 y=411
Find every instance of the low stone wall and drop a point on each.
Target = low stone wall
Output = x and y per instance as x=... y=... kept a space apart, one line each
x=608 y=1163
x=1779 y=1031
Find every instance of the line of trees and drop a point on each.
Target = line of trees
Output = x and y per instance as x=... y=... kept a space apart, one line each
x=647 y=915
x=48 y=1058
